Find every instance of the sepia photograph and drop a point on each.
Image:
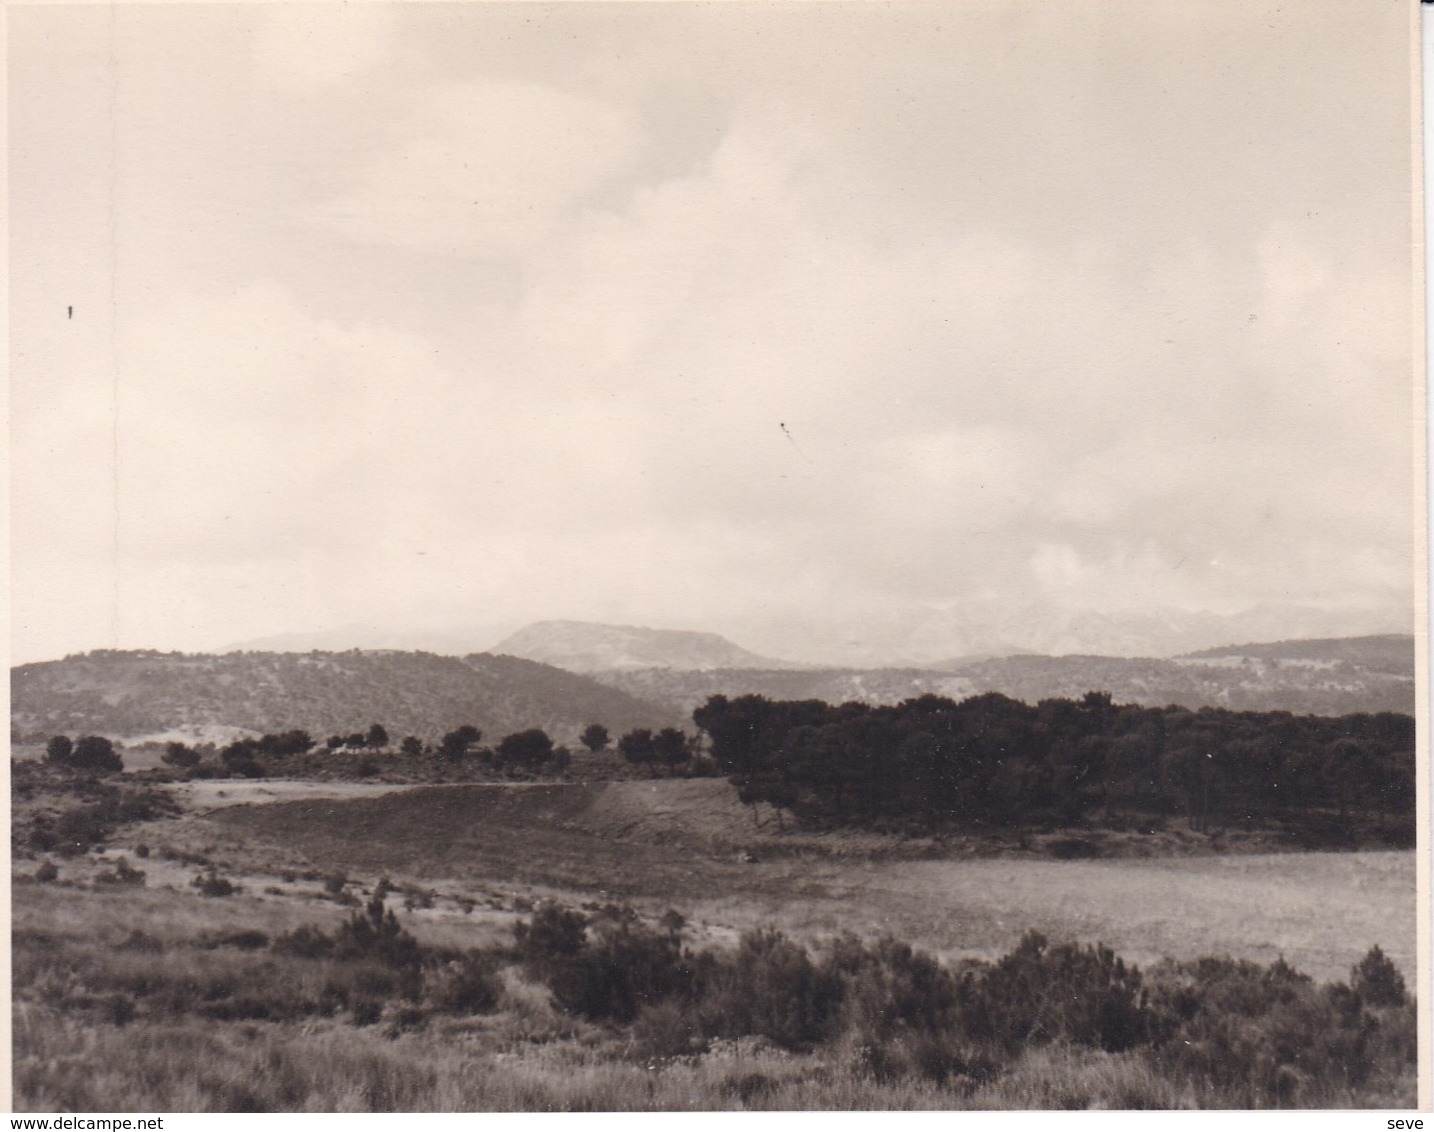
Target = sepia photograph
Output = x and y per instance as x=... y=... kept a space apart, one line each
x=764 y=555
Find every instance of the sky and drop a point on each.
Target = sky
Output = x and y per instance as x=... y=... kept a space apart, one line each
x=790 y=321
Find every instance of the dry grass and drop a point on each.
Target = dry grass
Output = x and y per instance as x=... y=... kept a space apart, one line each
x=488 y=854
x=652 y=843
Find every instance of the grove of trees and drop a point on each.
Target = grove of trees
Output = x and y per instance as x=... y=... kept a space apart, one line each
x=993 y=761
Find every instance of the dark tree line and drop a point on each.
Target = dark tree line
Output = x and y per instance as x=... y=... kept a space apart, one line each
x=523 y=753
x=994 y=761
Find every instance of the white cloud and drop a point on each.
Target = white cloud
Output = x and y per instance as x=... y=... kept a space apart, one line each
x=488 y=167
x=535 y=357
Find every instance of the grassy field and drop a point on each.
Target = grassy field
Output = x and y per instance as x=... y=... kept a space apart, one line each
x=114 y=981
x=684 y=848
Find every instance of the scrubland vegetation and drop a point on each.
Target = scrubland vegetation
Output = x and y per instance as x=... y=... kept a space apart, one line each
x=666 y=942
x=601 y=1008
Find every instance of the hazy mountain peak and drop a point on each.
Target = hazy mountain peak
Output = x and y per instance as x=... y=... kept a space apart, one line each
x=586 y=646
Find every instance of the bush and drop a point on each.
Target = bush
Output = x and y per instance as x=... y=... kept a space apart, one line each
x=305 y=942
x=75 y=830
x=212 y=884
x=95 y=753
x=769 y=987
x=466 y=985
x=1038 y=993
x=1264 y=1037
x=181 y=756
x=375 y=934
x=1377 y=980
x=608 y=967
x=551 y=938
x=123 y=874
x=889 y=988
x=667 y=1029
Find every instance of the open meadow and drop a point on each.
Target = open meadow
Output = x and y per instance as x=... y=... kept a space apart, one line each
x=330 y=946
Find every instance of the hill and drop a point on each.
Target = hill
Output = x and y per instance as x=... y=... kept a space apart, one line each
x=1391 y=653
x=583 y=646
x=689 y=689
x=1315 y=677
x=141 y=695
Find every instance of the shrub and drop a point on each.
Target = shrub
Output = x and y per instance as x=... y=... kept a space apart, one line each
x=212 y=884
x=123 y=874
x=1377 y=980
x=606 y=967
x=80 y=827
x=1038 y=993
x=667 y=1029
x=888 y=988
x=1265 y=1036
x=466 y=985
x=554 y=935
x=180 y=755
x=92 y=753
x=769 y=987
x=305 y=942
x=375 y=934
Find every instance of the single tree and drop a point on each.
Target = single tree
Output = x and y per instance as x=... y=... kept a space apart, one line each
x=525 y=749
x=595 y=737
x=412 y=746
x=456 y=743
x=95 y=752
x=636 y=747
x=58 y=750
x=670 y=748
x=177 y=754
x=377 y=737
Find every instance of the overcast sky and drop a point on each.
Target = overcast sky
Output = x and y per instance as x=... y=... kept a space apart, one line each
x=704 y=316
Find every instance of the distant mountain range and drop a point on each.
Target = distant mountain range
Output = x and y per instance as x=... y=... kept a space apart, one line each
x=582 y=646
x=135 y=696
x=921 y=636
x=1317 y=677
x=644 y=678
x=891 y=635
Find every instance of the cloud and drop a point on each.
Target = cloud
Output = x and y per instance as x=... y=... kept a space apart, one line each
x=488 y=167
x=510 y=344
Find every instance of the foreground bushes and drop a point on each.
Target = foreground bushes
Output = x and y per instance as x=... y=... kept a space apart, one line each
x=1238 y=1033
x=869 y=1022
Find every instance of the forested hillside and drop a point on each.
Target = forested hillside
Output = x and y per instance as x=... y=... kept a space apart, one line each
x=134 y=695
